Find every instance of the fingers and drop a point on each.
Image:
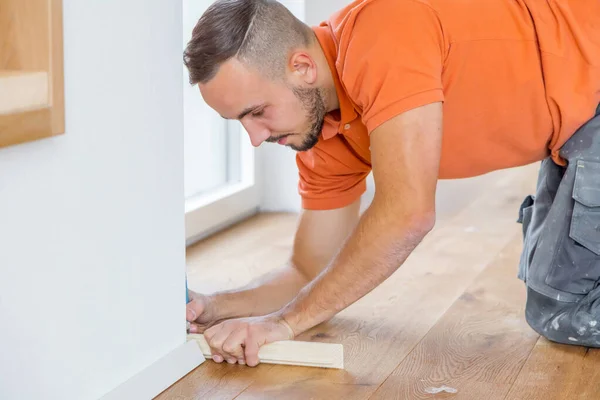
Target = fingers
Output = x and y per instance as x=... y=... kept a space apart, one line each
x=233 y=346
x=227 y=343
x=240 y=340
x=237 y=346
x=211 y=338
x=251 y=351
x=216 y=338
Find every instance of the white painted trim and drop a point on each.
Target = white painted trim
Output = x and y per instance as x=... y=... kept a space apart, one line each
x=158 y=377
x=220 y=209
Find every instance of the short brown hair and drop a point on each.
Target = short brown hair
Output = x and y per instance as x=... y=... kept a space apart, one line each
x=258 y=32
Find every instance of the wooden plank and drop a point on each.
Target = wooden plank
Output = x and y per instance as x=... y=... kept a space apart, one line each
x=382 y=328
x=478 y=347
x=23 y=91
x=557 y=372
x=290 y=352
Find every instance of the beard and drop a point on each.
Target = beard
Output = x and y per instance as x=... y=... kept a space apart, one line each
x=314 y=106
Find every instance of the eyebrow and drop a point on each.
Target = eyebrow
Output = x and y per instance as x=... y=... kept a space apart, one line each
x=247 y=111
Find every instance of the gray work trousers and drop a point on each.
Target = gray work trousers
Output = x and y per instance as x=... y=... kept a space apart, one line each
x=560 y=263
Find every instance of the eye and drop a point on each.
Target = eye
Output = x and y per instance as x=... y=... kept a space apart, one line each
x=258 y=113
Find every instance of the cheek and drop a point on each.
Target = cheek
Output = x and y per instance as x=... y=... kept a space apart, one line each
x=288 y=117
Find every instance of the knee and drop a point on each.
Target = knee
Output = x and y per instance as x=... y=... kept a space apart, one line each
x=549 y=318
x=561 y=322
x=541 y=313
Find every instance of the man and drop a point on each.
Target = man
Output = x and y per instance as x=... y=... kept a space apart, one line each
x=414 y=91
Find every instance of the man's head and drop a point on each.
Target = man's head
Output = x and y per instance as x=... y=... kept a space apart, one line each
x=254 y=61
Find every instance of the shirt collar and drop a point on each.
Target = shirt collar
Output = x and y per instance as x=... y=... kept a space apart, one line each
x=337 y=119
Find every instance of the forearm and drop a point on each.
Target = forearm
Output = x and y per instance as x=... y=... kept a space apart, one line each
x=380 y=244
x=319 y=236
x=262 y=296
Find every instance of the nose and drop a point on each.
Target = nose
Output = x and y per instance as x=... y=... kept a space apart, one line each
x=257 y=133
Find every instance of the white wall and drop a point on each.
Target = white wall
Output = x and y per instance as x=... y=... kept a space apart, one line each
x=318 y=10
x=92 y=260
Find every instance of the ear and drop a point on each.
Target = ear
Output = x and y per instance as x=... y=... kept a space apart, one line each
x=303 y=68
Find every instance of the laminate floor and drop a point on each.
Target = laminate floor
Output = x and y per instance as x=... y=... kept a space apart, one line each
x=448 y=324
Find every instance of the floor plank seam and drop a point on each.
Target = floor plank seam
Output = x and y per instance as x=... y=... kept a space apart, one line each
x=391 y=373
x=243 y=390
x=587 y=350
x=509 y=391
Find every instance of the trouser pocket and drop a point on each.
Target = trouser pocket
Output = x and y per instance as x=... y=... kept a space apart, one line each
x=525 y=215
x=576 y=265
x=585 y=223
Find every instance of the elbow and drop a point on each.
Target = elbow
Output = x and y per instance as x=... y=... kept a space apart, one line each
x=414 y=223
x=420 y=223
x=415 y=219
x=305 y=270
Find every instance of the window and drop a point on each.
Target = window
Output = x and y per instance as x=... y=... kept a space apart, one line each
x=220 y=167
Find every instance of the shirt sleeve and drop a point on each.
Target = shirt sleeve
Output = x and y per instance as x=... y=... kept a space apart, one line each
x=330 y=175
x=394 y=59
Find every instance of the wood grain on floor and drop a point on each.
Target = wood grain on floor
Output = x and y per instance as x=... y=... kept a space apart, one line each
x=478 y=347
x=557 y=372
x=448 y=324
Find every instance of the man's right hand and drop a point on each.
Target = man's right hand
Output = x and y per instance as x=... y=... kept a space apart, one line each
x=200 y=312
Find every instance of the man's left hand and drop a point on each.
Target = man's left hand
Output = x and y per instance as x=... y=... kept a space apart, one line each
x=238 y=340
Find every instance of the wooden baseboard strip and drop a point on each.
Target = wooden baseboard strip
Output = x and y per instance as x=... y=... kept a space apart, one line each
x=290 y=352
x=153 y=380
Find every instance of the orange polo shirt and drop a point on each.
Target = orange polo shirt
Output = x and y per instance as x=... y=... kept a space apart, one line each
x=517 y=79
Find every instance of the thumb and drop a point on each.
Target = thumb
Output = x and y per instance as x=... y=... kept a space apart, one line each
x=194 y=306
x=194 y=309
x=190 y=313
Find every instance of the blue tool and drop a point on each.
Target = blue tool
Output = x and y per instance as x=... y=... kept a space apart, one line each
x=187 y=295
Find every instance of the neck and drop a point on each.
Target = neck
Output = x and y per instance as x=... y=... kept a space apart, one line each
x=325 y=80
